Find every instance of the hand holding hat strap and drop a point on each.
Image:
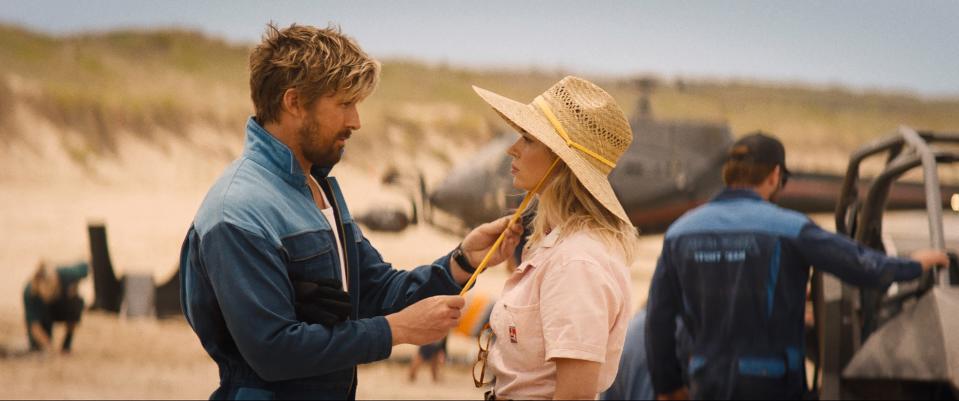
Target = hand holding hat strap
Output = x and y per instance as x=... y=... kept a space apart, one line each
x=548 y=112
x=512 y=220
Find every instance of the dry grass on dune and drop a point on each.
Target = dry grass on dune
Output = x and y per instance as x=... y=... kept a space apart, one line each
x=130 y=128
x=163 y=82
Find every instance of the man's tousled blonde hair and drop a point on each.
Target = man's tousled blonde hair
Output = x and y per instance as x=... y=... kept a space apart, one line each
x=316 y=62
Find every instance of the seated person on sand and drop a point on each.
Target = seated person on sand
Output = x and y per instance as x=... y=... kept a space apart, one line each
x=51 y=296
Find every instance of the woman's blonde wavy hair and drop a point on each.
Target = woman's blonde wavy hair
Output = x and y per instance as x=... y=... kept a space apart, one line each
x=564 y=203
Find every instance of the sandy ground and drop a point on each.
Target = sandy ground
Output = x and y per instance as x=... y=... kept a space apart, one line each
x=147 y=195
x=147 y=198
x=120 y=358
x=137 y=359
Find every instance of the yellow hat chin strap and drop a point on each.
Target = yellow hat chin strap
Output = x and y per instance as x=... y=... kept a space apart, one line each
x=548 y=112
x=512 y=220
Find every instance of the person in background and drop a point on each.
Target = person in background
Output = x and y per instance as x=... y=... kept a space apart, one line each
x=632 y=380
x=434 y=354
x=50 y=297
x=736 y=271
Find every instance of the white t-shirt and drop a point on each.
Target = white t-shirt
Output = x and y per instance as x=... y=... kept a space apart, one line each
x=328 y=213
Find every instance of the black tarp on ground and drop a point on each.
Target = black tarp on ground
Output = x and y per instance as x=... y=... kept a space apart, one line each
x=167 y=297
x=108 y=293
x=108 y=289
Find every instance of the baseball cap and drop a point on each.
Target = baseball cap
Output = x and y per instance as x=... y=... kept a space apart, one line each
x=758 y=147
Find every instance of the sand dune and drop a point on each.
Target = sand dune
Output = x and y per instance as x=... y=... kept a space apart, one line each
x=148 y=189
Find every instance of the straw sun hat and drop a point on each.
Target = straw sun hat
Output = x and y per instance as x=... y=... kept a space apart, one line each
x=579 y=122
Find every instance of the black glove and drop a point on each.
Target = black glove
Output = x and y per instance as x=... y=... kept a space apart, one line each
x=321 y=302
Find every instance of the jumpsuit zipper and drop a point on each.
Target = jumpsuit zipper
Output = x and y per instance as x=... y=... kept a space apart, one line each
x=340 y=229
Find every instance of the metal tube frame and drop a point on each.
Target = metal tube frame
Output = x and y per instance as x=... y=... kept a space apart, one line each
x=906 y=149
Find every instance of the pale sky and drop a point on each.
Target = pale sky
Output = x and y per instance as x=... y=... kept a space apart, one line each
x=892 y=45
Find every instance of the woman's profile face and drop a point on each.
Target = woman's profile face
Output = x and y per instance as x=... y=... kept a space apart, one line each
x=531 y=160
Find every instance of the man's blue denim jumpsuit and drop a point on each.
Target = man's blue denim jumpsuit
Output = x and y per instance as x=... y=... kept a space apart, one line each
x=257 y=230
x=735 y=270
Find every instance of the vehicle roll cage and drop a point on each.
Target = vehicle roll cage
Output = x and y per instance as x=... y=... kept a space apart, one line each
x=850 y=314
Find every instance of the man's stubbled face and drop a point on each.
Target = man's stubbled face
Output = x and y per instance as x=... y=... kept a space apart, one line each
x=330 y=122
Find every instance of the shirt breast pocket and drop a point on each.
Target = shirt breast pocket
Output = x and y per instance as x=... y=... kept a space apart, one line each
x=521 y=336
x=311 y=256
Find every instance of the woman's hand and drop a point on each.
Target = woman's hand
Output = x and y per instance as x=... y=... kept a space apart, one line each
x=478 y=241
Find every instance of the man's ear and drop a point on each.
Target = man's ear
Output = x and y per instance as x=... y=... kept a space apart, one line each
x=774 y=177
x=292 y=102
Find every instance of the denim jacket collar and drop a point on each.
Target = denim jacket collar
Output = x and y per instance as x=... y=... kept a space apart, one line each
x=264 y=149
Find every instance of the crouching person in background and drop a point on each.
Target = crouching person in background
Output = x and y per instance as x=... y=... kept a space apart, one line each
x=51 y=296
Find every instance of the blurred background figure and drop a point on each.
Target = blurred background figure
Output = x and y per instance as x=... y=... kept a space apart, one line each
x=632 y=380
x=51 y=296
x=434 y=354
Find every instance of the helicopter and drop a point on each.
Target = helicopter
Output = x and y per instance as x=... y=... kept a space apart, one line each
x=671 y=167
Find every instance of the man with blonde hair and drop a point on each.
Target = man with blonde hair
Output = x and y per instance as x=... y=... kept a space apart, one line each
x=277 y=280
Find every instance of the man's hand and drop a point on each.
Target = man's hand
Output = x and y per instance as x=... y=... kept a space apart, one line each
x=478 y=241
x=426 y=321
x=321 y=302
x=929 y=258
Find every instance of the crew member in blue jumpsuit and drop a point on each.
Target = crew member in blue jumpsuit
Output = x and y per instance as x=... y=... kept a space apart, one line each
x=735 y=270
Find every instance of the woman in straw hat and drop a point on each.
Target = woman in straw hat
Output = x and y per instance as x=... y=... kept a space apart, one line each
x=560 y=324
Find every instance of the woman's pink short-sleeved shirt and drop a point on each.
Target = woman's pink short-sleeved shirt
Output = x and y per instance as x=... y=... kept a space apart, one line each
x=568 y=299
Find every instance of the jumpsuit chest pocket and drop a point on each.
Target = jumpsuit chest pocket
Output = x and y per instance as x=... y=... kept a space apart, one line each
x=311 y=256
x=519 y=335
